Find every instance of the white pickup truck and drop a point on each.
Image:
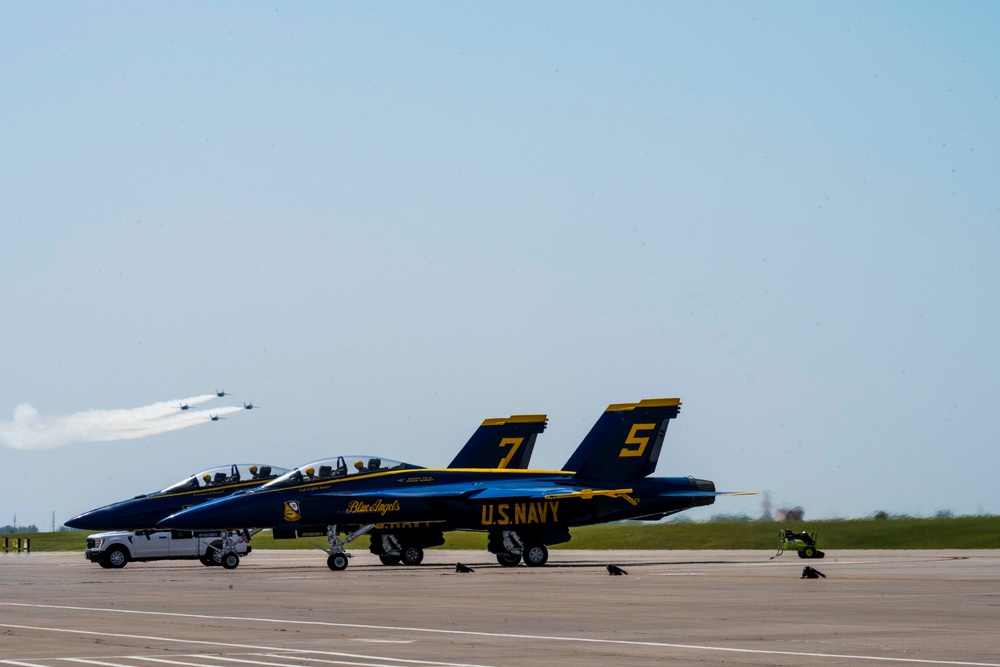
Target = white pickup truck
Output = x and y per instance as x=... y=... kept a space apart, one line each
x=116 y=549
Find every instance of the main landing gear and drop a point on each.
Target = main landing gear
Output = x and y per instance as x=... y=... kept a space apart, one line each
x=511 y=549
x=394 y=551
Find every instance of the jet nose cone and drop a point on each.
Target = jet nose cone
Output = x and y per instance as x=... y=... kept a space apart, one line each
x=93 y=520
x=126 y=515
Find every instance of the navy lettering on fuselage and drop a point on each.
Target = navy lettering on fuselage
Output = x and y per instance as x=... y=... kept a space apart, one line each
x=519 y=514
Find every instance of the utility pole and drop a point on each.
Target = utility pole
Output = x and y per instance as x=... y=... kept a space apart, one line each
x=53 y=521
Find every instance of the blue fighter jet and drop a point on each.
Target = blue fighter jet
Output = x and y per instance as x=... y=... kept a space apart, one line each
x=497 y=443
x=146 y=510
x=523 y=511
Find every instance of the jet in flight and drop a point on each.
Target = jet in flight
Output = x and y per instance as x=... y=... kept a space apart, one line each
x=523 y=511
x=249 y=406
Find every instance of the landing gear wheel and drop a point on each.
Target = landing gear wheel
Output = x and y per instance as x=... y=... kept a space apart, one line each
x=212 y=557
x=808 y=552
x=337 y=562
x=116 y=558
x=536 y=555
x=389 y=559
x=508 y=559
x=412 y=555
x=230 y=561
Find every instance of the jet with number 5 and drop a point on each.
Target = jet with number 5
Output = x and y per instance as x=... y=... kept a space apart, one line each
x=524 y=511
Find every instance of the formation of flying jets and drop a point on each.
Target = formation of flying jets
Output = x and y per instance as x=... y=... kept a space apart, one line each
x=406 y=508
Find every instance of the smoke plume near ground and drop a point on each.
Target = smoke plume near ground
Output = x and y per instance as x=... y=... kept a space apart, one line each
x=31 y=430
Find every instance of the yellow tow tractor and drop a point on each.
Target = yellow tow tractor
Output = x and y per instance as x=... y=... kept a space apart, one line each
x=804 y=543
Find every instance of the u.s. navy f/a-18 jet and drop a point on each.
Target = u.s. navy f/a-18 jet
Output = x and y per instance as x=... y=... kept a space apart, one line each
x=524 y=511
x=146 y=510
x=498 y=443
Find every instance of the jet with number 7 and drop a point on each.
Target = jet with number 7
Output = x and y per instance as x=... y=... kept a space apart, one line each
x=523 y=511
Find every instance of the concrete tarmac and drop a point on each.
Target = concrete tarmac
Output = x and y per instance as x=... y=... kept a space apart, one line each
x=682 y=607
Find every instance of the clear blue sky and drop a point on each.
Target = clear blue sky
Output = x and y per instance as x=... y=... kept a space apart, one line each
x=386 y=222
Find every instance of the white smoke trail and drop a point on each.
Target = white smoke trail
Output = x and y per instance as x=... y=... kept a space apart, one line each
x=30 y=430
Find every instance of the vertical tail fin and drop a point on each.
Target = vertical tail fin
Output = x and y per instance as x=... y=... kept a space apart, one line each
x=501 y=443
x=625 y=442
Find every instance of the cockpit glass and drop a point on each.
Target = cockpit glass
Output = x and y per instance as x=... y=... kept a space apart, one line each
x=227 y=476
x=335 y=468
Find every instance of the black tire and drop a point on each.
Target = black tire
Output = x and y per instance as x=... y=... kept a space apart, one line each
x=389 y=559
x=819 y=554
x=116 y=557
x=412 y=555
x=103 y=563
x=808 y=552
x=508 y=559
x=535 y=555
x=337 y=562
x=230 y=561
x=801 y=555
x=212 y=557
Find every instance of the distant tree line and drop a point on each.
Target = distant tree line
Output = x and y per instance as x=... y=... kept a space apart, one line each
x=19 y=529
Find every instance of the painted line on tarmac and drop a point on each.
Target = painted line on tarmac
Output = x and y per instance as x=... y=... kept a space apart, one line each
x=299 y=653
x=468 y=633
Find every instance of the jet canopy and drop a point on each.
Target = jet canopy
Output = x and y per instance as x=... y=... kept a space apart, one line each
x=230 y=474
x=335 y=468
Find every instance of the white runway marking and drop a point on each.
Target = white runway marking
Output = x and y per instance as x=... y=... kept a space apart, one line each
x=299 y=654
x=468 y=633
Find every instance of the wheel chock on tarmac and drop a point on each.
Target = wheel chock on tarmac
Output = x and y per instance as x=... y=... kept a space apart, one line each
x=811 y=573
x=463 y=568
x=614 y=570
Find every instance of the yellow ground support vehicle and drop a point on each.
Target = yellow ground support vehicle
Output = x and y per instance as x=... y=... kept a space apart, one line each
x=804 y=543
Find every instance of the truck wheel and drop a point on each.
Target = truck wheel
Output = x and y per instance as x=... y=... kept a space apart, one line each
x=116 y=558
x=337 y=562
x=230 y=561
x=536 y=555
x=808 y=552
x=412 y=555
x=388 y=559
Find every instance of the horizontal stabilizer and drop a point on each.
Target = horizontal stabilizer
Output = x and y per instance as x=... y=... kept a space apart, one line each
x=587 y=494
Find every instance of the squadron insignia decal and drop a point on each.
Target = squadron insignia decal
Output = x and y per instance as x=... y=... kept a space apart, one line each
x=293 y=512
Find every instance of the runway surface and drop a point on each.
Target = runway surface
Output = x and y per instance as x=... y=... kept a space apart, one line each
x=682 y=607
